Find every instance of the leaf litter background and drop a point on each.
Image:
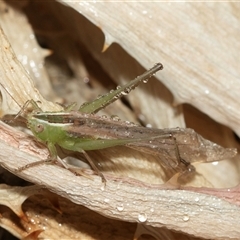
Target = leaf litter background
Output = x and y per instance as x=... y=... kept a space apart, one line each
x=199 y=50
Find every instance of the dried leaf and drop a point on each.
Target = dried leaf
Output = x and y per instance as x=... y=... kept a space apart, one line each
x=13 y=197
x=16 y=81
x=127 y=199
x=201 y=215
x=25 y=47
x=76 y=222
x=200 y=51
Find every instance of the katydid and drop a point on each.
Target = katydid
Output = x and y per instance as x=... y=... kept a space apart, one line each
x=51 y=127
x=82 y=131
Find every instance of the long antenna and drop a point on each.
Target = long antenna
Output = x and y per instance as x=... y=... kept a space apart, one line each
x=10 y=95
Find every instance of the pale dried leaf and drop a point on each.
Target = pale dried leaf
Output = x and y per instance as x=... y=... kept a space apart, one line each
x=148 y=107
x=127 y=199
x=75 y=222
x=199 y=51
x=25 y=47
x=13 y=197
x=16 y=81
x=152 y=103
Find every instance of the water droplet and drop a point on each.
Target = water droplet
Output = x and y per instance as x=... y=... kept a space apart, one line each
x=142 y=217
x=115 y=118
x=153 y=146
x=99 y=96
x=32 y=221
x=145 y=80
x=104 y=116
x=86 y=80
x=118 y=87
x=34 y=50
x=117 y=96
x=141 y=117
x=207 y=91
x=32 y=36
x=196 y=199
x=106 y=200
x=128 y=90
x=215 y=163
x=152 y=210
x=149 y=125
x=185 y=218
x=120 y=208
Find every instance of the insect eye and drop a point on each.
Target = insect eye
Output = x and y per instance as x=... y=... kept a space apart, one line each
x=39 y=128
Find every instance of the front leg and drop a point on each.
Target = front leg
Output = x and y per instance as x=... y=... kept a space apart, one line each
x=52 y=157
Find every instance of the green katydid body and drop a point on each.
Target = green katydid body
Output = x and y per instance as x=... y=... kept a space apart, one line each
x=82 y=131
x=53 y=128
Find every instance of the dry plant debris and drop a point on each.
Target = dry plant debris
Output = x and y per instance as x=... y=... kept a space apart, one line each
x=76 y=65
